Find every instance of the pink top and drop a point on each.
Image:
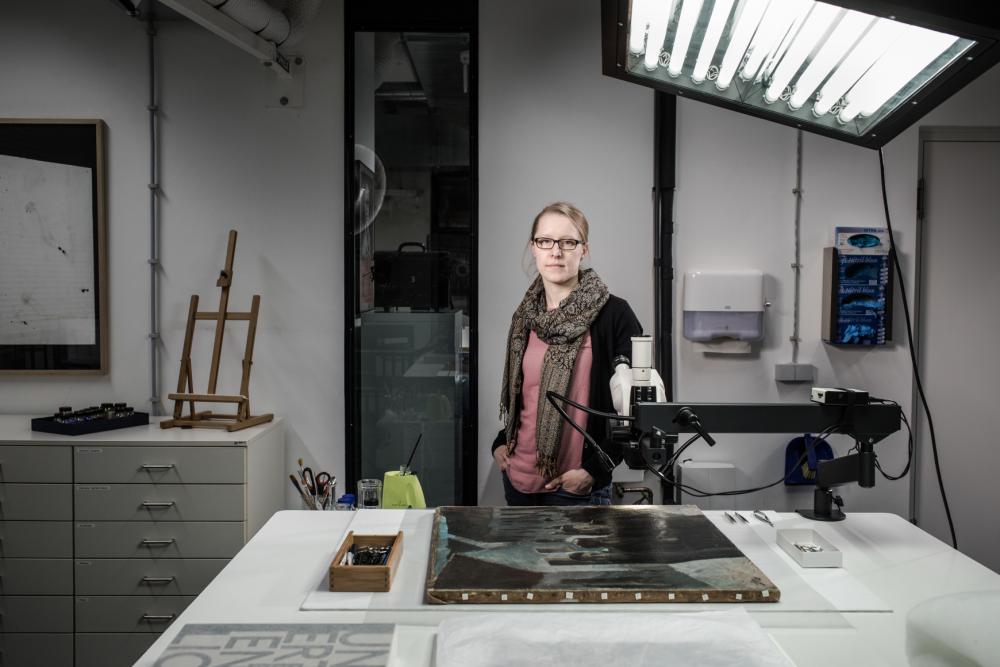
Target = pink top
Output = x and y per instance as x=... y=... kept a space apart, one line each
x=522 y=472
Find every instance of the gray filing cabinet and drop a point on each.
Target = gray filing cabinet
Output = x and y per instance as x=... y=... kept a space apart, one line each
x=106 y=538
x=36 y=555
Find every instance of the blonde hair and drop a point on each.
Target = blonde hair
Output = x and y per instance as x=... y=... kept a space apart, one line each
x=567 y=210
x=562 y=208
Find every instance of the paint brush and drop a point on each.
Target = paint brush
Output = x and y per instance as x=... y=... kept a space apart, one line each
x=306 y=498
x=406 y=469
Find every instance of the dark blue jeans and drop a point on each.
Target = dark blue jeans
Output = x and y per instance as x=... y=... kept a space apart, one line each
x=601 y=496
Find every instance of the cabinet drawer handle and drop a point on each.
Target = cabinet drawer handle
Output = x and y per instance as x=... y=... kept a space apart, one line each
x=157 y=505
x=159 y=618
x=157 y=466
x=157 y=543
x=157 y=581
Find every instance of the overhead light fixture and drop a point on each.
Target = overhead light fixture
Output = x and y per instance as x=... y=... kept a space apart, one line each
x=861 y=72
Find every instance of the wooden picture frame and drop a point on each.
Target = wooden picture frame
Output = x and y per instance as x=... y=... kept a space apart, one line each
x=53 y=247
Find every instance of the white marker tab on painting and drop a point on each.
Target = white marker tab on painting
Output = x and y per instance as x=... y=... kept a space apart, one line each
x=739 y=596
x=569 y=595
x=465 y=596
x=765 y=593
x=638 y=596
x=503 y=597
x=530 y=596
x=604 y=596
x=671 y=596
x=704 y=597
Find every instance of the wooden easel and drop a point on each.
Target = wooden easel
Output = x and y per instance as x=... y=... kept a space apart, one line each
x=208 y=419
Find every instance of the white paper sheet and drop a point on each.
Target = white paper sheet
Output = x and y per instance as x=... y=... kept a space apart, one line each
x=46 y=253
x=707 y=639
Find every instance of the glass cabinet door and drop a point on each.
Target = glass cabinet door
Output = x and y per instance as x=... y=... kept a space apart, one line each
x=411 y=258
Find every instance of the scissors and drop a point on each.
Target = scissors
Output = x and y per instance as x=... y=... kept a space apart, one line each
x=322 y=481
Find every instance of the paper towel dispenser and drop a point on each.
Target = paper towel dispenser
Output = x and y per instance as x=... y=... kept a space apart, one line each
x=724 y=305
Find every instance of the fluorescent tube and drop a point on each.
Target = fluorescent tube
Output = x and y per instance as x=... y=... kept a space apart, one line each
x=659 y=18
x=915 y=50
x=820 y=19
x=777 y=19
x=745 y=27
x=776 y=55
x=638 y=24
x=682 y=39
x=844 y=35
x=720 y=15
x=877 y=41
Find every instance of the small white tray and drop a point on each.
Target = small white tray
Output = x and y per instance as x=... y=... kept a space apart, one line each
x=796 y=543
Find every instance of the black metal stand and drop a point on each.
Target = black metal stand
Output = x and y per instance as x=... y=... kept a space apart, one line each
x=823 y=506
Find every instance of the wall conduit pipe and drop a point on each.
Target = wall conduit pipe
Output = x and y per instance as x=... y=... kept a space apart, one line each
x=154 y=231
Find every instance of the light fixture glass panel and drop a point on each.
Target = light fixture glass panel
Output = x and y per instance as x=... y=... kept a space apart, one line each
x=819 y=21
x=638 y=25
x=876 y=41
x=750 y=13
x=682 y=39
x=914 y=51
x=812 y=63
x=720 y=15
x=845 y=35
x=777 y=54
x=659 y=19
x=771 y=32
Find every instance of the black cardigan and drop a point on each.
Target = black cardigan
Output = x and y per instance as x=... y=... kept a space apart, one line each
x=610 y=337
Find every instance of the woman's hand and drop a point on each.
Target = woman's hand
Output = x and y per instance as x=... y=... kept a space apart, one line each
x=576 y=481
x=500 y=456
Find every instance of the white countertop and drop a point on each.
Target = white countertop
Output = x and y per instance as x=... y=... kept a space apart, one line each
x=270 y=579
x=16 y=430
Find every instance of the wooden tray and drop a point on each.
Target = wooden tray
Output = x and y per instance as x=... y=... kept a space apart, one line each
x=366 y=578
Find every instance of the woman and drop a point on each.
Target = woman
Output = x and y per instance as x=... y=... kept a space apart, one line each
x=567 y=336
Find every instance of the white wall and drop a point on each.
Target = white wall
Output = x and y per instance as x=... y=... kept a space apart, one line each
x=735 y=209
x=551 y=127
x=232 y=160
x=53 y=69
x=228 y=162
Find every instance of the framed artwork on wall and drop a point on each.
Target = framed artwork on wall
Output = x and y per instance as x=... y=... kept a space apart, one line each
x=53 y=247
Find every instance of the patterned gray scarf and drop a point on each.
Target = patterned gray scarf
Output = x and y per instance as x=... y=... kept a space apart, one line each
x=562 y=329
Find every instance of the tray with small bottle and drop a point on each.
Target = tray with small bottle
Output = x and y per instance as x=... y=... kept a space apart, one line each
x=106 y=417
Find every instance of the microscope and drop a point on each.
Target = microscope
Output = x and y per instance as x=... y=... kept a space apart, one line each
x=648 y=429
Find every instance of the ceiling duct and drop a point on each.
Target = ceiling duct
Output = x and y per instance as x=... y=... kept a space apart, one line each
x=266 y=30
x=131 y=7
x=300 y=13
x=257 y=16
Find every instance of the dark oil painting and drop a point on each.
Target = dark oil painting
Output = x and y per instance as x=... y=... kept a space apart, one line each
x=600 y=554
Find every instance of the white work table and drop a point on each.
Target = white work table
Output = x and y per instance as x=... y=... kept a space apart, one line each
x=889 y=566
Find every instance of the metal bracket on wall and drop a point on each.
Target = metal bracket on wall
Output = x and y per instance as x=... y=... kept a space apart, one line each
x=286 y=92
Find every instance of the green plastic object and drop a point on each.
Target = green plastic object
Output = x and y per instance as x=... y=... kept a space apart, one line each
x=402 y=491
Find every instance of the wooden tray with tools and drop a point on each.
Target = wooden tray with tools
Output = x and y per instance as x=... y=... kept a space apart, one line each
x=365 y=578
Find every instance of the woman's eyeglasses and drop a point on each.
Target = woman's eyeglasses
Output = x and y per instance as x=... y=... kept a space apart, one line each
x=564 y=244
